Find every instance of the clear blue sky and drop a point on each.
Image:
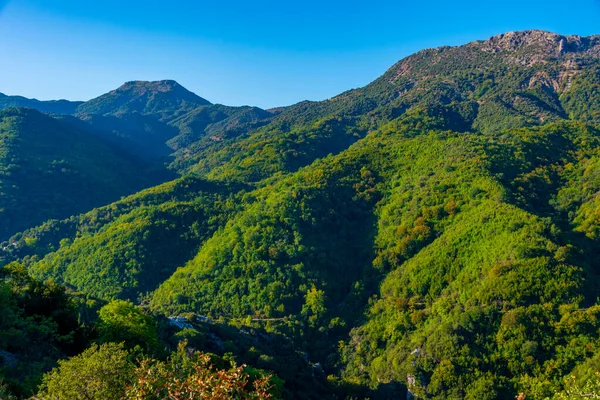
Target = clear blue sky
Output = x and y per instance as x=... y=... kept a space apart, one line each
x=263 y=52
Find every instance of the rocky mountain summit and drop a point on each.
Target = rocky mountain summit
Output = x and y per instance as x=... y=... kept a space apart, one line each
x=512 y=49
x=541 y=41
x=534 y=47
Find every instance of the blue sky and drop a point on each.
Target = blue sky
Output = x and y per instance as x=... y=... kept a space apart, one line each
x=263 y=52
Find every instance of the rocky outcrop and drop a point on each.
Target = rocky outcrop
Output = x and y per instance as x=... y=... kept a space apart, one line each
x=524 y=48
x=532 y=47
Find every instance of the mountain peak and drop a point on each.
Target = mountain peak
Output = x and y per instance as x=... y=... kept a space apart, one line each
x=515 y=39
x=162 y=85
x=146 y=97
x=521 y=48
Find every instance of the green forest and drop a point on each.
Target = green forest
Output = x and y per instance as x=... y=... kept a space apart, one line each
x=432 y=235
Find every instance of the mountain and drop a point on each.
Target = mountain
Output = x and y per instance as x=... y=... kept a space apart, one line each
x=137 y=134
x=129 y=126
x=216 y=123
x=157 y=98
x=509 y=81
x=164 y=99
x=50 y=170
x=52 y=106
x=153 y=119
x=434 y=234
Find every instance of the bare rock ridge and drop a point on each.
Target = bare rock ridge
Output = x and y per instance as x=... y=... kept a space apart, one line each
x=540 y=43
x=523 y=48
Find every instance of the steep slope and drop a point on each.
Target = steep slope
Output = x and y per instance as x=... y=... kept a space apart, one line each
x=137 y=134
x=52 y=106
x=134 y=245
x=466 y=262
x=50 y=170
x=216 y=123
x=496 y=304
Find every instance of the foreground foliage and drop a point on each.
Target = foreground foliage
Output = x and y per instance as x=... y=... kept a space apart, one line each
x=186 y=376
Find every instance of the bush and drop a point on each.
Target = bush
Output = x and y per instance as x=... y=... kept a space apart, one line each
x=195 y=376
x=99 y=373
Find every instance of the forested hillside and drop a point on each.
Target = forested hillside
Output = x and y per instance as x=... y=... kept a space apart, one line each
x=49 y=169
x=52 y=106
x=434 y=234
x=74 y=159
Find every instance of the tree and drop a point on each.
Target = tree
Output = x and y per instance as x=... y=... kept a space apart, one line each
x=314 y=306
x=122 y=321
x=99 y=373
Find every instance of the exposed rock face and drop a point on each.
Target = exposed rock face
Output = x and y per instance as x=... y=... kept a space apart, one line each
x=180 y=322
x=411 y=381
x=532 y=47
x=525 y=49
x=512 y=41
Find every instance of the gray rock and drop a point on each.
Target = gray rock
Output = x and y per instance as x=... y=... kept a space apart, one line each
x=180 y=322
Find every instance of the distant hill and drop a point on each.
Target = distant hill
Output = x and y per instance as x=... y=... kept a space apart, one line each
x=163 y=99
x=133 y=129
x=51 y=106
x=153 y=119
